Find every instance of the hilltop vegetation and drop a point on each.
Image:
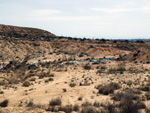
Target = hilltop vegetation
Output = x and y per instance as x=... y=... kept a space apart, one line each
x=13 y=32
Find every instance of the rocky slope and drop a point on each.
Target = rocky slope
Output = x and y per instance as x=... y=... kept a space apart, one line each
x=19 y=42
x=141 y=55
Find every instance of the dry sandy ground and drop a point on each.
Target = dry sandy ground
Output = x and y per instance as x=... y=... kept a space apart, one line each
x=41 y=93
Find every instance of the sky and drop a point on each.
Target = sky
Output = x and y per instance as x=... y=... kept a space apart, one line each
x=111 y=19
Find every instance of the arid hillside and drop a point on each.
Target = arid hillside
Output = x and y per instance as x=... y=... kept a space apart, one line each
x=24 y=33
x=141 y=55
x=44 y=73
x=18 y=42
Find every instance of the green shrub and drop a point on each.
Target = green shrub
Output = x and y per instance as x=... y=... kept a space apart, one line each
x=50 y=79
x=49 y=75
x=80 y=99
x=76 y=107
x=32 y=67
x=32 y=79
x=89 y=109
x=55 y=102
x=4 y=103
x=107 y=89
x=87 y=67
x=125 y=95
x=26 y=84
x=129 y=102
x=86 y=104
x=72 y=84
x=135 y=54
x=66 y=109
x=129 y=106
x=147 y=95
x=13 y=81
x=117 y=70
x=1 y=92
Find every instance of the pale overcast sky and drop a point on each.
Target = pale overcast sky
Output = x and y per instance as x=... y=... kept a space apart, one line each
x=81 y=18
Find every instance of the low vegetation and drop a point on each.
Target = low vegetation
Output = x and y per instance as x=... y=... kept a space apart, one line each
x=55 y=102
x=108 y=89
x=86 y=75
x=4 y=103
x=26 y=84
